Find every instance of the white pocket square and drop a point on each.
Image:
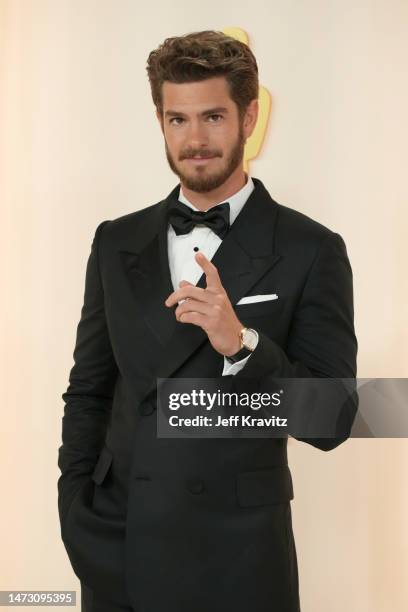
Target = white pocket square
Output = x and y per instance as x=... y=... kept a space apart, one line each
x=250 y=299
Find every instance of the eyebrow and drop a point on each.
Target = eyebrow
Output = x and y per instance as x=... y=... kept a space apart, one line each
x=211 y=111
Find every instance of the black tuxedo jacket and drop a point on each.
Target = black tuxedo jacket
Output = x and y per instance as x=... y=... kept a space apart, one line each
x=182 y=525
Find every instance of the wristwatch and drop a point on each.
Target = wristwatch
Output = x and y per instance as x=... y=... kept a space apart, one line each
x=249 y=339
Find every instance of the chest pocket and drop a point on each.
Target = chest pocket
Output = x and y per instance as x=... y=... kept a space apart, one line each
x=258 y=309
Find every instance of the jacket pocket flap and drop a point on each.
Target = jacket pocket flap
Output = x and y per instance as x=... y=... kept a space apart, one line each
x=265 y=486
x=102 y=465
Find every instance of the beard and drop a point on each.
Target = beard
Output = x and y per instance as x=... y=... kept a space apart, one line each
x=203 y=180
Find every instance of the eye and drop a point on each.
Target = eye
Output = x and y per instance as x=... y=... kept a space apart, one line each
x=176 y=118
x=219 y=116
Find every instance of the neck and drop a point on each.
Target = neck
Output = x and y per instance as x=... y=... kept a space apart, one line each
x=204 y=201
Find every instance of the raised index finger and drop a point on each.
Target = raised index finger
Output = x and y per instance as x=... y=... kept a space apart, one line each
x=213 y=280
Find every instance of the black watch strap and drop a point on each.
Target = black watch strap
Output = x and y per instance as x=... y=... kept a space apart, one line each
x=242 y=353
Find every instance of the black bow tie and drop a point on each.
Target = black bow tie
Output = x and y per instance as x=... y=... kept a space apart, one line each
x=183 y=218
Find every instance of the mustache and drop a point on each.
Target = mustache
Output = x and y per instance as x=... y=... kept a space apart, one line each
x=189 y=154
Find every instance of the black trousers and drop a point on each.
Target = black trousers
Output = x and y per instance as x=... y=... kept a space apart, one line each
x=92 y=601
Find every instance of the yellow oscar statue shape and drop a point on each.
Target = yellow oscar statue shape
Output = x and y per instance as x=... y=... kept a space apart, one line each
x=254 y=142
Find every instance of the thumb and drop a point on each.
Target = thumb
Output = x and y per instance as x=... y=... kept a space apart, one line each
x=184 y=283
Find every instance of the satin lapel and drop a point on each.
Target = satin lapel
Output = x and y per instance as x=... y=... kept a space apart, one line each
x=149 y=274
x=244 y=256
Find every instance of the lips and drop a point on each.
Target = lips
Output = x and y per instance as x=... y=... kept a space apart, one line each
x=200 y=161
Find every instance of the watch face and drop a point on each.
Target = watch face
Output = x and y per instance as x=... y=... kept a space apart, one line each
x=250 y=338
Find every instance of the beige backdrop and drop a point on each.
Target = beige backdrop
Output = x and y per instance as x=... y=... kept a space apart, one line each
x=79 y=144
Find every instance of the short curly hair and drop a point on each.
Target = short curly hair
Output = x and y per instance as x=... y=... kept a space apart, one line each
x=202 y=55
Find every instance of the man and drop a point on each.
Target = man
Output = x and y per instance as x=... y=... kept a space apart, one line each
x=153 y=524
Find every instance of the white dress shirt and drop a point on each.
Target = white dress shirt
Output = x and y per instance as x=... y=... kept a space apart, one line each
x=182 y=249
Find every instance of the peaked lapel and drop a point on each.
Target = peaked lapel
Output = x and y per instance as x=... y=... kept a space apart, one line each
x=148 y=272
x=243 y=257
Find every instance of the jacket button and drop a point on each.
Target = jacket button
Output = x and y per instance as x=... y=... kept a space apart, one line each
x=146 y=409
x=195 y=486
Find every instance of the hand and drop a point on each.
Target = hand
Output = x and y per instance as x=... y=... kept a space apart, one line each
x=209 y=308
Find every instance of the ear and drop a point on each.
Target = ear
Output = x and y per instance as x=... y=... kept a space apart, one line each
x=251 y=117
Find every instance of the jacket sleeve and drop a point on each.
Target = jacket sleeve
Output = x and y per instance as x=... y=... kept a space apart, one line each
x=88 y=399
x=321 y=341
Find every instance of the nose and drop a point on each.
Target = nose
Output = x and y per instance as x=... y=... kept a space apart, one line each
x=197 y=136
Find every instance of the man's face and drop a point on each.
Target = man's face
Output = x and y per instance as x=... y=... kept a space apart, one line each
x=200 y=119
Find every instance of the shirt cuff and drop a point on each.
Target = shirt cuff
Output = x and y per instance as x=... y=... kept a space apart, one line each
x=234 y=368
